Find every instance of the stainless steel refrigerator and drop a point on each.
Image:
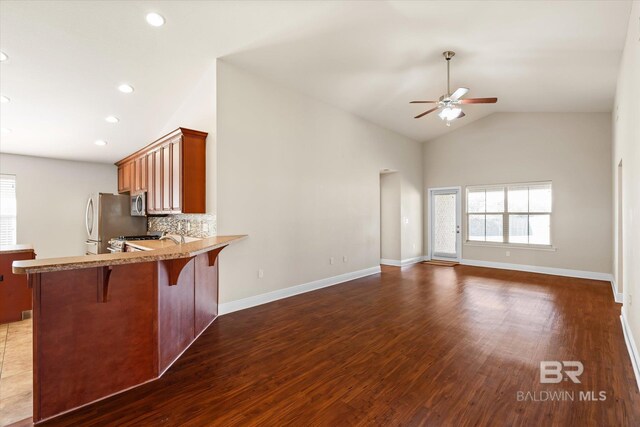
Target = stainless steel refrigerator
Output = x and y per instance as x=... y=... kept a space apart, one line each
x=108 y=216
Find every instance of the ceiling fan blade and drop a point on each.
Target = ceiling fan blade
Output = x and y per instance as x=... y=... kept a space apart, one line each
x=461 y=115
x=459 y=93
x=423 y=102
x=425 y=113
x=478 y=101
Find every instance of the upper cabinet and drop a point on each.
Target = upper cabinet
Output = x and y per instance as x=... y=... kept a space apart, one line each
x=172 y=170
x=124 y=177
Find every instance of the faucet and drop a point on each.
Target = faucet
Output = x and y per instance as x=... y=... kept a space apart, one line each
x=173 y=239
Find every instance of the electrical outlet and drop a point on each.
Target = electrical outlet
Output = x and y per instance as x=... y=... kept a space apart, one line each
x=331 y=261
x=260 y=273
x=630 y=300
x=508 y=253
x=344 y=258
x=205 y=227
x=188 y=226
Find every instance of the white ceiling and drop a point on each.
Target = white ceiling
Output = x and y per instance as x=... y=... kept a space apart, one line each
x=370 y=58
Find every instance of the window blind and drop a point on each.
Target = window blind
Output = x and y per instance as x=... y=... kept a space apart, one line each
x=7 y=209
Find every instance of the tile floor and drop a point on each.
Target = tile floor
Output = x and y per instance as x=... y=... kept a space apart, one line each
x=16 y=372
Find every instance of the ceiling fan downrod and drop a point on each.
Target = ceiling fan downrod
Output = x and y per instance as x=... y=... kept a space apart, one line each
x=448 y=54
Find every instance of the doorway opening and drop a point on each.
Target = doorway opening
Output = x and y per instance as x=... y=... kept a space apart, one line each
x=390 y=225
x=445 y=237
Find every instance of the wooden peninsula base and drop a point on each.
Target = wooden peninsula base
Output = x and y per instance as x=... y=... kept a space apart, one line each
x=103 y=329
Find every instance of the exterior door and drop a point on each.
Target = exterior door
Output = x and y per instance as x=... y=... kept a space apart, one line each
x=445 y=223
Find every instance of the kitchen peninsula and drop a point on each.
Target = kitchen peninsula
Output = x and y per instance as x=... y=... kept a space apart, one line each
x=106 y=323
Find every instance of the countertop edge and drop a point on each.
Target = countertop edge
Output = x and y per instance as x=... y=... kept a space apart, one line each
x=15 y=249
x=184 y=250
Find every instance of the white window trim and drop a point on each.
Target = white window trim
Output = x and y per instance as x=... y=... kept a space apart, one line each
x=15 y=217
x=505 y=214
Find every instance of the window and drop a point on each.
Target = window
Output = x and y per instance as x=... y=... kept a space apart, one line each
x=510 y=213
x=7 y=210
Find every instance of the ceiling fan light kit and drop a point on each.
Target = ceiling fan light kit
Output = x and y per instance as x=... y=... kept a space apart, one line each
x=448 y=104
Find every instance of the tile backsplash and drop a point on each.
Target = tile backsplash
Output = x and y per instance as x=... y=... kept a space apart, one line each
x=188 y=224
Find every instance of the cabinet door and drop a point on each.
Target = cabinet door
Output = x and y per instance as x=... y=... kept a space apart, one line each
x=157 y=183
x=121 y=179
x=142 y=173
x=166 y=177
x=176 y=176
x=135 y=179
x=150 y=184
x=15 y=294
x=124 y=177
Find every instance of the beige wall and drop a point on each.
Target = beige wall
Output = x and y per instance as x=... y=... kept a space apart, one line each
x=302 y=179
x=572 y=150
x=52 y=196
x=626 y=147
x=390 y=223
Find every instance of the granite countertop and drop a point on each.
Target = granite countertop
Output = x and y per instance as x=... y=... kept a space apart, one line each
x=89 y=261
x=12 y=249
x=152 y=245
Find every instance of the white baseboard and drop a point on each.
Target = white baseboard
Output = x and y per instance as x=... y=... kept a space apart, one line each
x=617 y=296
x=542 y=270
x=581 y=274
x=241 y=304
x=403 y=263
x=631 y=346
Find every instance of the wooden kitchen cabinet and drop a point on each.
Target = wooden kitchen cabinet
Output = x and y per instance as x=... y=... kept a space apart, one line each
x=150 y=178
x=157 y=183
x=166 y=178
x=172 y=170
x=176 y=175
x=140 y=174
x=15 y=294
x=124 y=177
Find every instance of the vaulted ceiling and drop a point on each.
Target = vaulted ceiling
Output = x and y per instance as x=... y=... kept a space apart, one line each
x=66 y=60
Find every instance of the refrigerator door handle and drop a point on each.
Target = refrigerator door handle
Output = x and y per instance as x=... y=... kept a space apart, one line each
x=86 y=217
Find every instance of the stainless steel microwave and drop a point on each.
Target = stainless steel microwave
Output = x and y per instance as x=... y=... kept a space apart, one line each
x=139 y=204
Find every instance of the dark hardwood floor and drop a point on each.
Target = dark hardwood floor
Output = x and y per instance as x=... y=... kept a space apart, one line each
x=425 y=345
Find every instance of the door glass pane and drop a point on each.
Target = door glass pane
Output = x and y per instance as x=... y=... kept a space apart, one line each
x=444 y=224
x=540 y=229
x=494 y=228
x=476 y=201
x=476 y=227
x=518 y=199
x=540 y=198
x=495 y=200
x=518 y=227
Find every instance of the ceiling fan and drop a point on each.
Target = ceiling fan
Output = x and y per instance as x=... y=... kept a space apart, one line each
x=449 y=104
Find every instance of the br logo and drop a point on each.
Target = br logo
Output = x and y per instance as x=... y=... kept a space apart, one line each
x=553 y=372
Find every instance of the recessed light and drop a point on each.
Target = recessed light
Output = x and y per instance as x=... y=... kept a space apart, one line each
x=112 y=119
x=6 y=130
x=125 y=88
x=4 y=99
x=101 y=142
x=3 y=57
x=155 y=19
